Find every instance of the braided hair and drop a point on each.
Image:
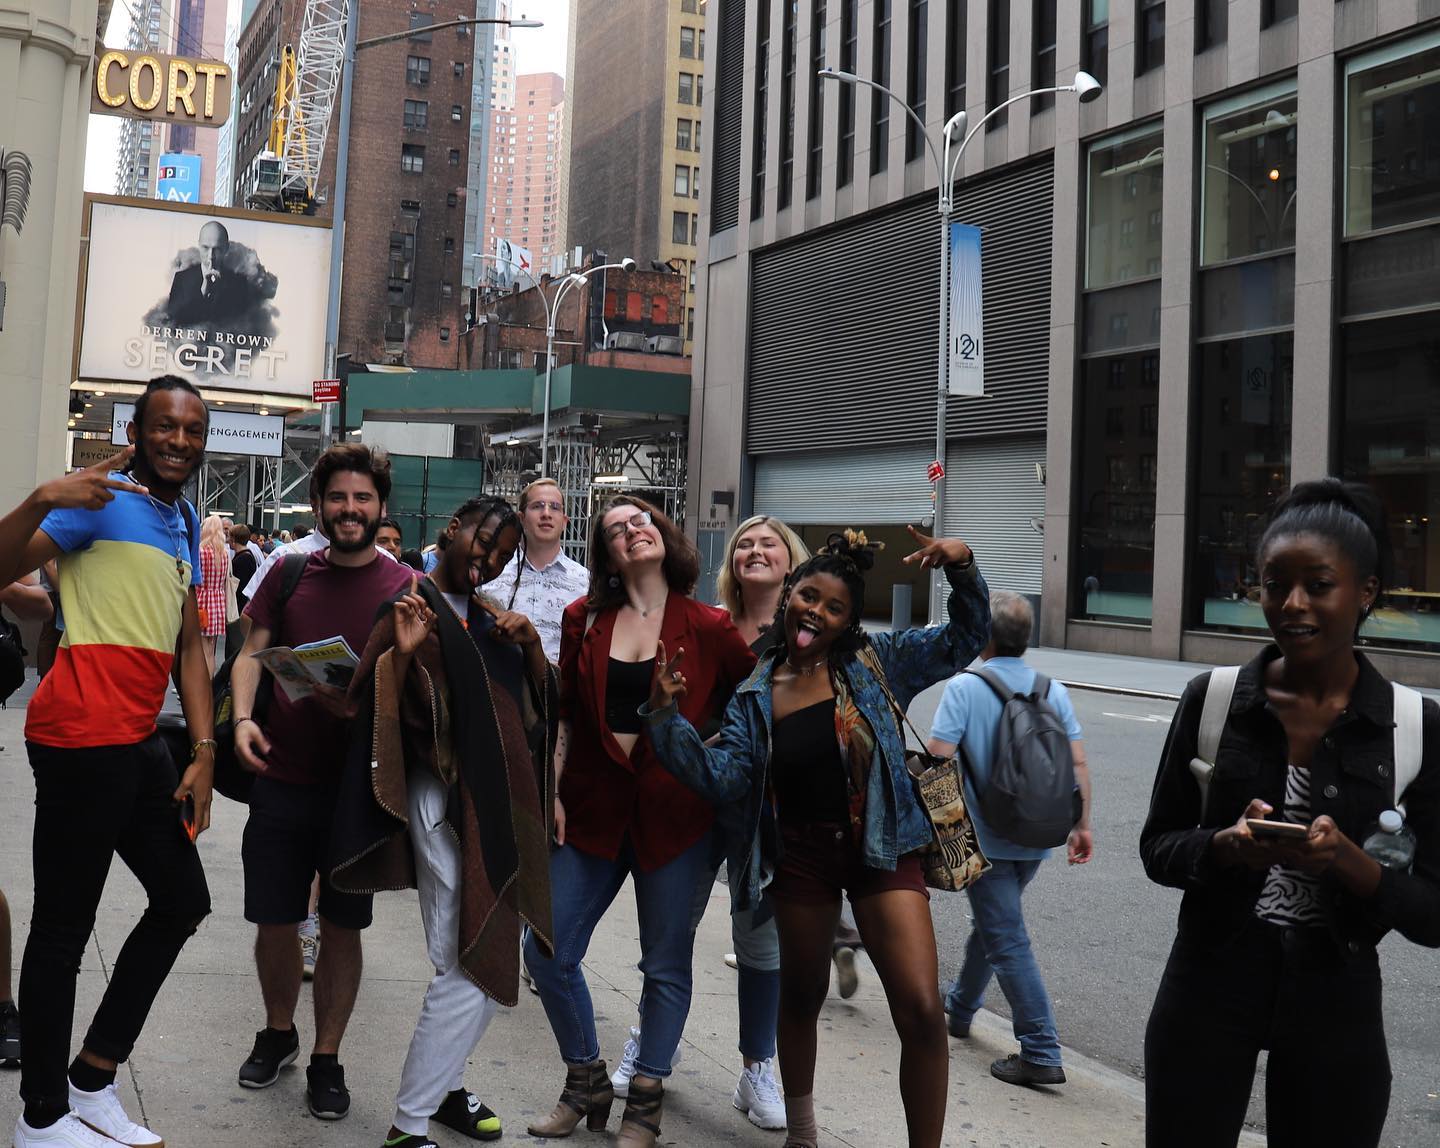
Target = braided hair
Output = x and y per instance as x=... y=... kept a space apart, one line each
x=1347 y=514
x=483 y=508
x=847 y=556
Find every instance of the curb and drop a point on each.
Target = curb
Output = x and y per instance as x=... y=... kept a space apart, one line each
x=1125 y=691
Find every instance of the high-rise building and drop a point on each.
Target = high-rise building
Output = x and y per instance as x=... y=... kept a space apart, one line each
x=410 y=135
x=526 y=169
x=225 y=137
x=636 y=87
x=492 y=86
x=195 y=28
x=140 y=140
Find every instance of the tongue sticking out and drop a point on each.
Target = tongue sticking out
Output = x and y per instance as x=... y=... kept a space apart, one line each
x=803 y=638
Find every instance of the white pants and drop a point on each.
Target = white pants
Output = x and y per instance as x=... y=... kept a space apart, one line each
x=456 y=1013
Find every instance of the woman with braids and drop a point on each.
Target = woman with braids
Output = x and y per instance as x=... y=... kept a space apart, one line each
x=619 y=813
x=456 y=698
x=1277 y=934
x=811 y=747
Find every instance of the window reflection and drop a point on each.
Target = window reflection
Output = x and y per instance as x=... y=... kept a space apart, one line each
x=1249 y=182
x=1126 y=195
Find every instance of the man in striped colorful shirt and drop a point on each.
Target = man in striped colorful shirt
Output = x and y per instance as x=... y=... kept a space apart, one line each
x=126 y=542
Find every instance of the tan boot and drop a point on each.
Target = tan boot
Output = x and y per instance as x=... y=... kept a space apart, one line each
x=640 y=1126
x=587 y=1095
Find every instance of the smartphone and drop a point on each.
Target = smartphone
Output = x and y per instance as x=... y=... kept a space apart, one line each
x=187 y=816
x=1277 y=830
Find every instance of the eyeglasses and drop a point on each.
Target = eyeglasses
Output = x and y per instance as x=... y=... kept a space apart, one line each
x=557 y=507
x=616 y=529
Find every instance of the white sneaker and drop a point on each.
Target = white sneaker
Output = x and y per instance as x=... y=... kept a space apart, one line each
x=103 y=1112
x=625 y=1070
x=67 y=1132
x=758 y=1096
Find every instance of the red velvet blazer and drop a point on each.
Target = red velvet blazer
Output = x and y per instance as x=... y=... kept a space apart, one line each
x=608 y=795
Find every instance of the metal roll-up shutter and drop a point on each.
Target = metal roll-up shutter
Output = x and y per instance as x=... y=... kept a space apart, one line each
x=995 y=502
x=844 y=328
x=727 y=127
x=854 y=488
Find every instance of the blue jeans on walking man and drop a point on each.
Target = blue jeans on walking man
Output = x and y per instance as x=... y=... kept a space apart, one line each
x=999 y=945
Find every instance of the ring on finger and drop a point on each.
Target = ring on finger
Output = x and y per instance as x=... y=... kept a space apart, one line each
x=675 y=677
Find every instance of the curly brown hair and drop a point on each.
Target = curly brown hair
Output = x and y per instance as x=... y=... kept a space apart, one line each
x=350 y=456
x=681 y=564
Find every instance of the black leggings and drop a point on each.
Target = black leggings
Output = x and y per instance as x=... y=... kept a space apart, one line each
x=1291 y=991
x=91 y=804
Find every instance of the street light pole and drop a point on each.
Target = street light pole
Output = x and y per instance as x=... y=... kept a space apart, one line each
x=552 y=312
x=342 y=172
x=946 y=167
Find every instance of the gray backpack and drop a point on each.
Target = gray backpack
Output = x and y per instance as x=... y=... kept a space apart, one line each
x=1032 y=798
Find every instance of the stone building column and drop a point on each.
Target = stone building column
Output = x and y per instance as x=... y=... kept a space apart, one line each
x=46 y=52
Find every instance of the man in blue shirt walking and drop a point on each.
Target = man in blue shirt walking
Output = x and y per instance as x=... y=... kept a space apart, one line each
x=969 y=715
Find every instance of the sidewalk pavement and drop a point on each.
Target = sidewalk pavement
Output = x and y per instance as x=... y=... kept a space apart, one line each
x=182 y=1077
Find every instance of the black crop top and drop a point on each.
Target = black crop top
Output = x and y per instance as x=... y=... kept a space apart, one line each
x=627 y=688
x=806 y=768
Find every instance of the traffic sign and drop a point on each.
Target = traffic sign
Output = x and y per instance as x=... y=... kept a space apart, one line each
x=937 y=471
x=325 y=390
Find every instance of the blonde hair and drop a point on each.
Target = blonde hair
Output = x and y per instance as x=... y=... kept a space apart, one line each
x=529 y=491
x=212 y=534
x=727 y=587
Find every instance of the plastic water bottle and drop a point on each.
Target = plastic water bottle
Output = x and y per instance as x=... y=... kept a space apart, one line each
x=1393 y=843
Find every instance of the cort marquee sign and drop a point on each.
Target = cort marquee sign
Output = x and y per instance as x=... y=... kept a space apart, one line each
x=149 y=86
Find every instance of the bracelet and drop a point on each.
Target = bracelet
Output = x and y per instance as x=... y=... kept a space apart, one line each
x=210 y=741
x=236 y=721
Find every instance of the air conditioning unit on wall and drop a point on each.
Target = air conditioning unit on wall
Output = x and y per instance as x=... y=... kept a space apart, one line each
x=625 y=341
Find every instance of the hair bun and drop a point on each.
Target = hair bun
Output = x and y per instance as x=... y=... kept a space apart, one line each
x=853 y=546
x=1355 y=497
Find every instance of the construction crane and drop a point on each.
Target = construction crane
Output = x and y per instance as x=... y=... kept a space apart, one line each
x=285 y=176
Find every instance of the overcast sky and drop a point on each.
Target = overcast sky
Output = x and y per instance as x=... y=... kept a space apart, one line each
x=536 y=50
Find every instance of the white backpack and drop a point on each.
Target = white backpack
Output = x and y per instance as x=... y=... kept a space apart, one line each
x=1409 y=743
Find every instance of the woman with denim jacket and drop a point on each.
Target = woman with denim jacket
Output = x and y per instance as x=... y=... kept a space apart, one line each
x=1277 y=936
x=812 y=753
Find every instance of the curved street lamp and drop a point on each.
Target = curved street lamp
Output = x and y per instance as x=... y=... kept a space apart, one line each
x=552 y=311
x=946 y=159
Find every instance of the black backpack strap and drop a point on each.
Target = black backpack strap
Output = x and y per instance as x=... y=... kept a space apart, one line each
x=292 y=568
x=992 y=679
x=192 y=524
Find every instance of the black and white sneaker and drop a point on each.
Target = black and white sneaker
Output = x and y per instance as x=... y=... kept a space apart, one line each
x=273 y=1051
x=325 y=1091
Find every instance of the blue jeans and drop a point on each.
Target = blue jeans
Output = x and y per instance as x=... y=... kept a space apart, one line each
x=757 y=955
x=999 y=945
x=582 y=887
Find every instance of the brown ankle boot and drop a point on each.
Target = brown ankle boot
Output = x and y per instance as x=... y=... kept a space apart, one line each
x=587 y=1094
x=640 y=1126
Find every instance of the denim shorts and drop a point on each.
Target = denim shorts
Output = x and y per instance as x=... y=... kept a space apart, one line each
x=820 y=860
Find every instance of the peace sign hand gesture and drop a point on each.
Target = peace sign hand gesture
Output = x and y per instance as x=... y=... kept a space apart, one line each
x=413 y=619
x=88 y=489
x=668 y=686
x=936 y=552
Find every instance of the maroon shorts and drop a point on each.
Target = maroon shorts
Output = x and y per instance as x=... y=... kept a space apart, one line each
x=820 y=860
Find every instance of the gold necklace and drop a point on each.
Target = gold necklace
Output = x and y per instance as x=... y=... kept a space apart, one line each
x=804 y=671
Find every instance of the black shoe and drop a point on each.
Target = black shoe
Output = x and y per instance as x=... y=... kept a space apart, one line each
x=325 y=1091
x=956 y=1027
x=463 y=1112
x=273 y=1051
x=1015 y=1069
x=9 y=1035
x=406 y=1141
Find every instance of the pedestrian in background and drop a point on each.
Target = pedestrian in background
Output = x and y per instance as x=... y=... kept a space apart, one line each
x=213 y=592
x=389 y=538
x=1276 y=947
x=619 y=813
x=970 y=714
x=127 y=544
x=812 y=732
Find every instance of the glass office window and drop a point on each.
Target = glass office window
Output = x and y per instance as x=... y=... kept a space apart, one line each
x=1390 y=439
x=1125 y=204
x=1392 y=136
x=1248 y=184
x=1242 y=400
x=1115 y=487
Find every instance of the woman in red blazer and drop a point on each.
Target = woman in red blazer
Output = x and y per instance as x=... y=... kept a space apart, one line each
x=619 y=812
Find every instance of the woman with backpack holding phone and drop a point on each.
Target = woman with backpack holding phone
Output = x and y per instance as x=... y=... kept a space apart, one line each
x=1265 y=831
x=812 y=750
